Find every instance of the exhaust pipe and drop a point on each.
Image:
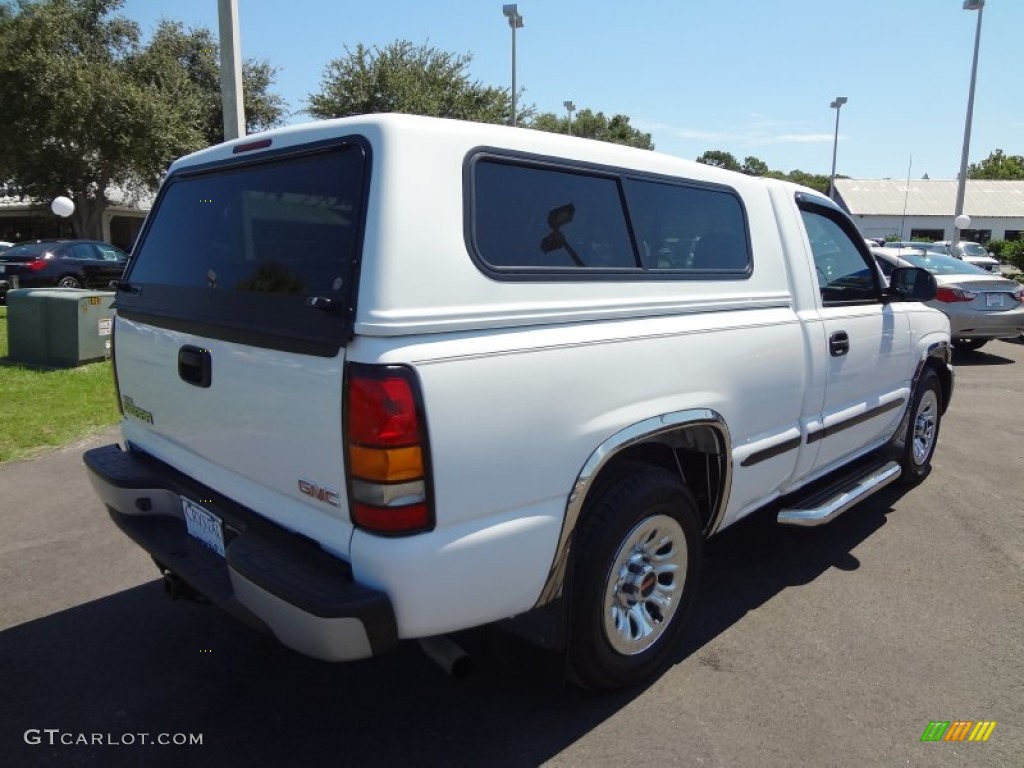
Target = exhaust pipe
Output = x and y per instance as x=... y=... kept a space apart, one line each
x=448 y=655
x=176 y=589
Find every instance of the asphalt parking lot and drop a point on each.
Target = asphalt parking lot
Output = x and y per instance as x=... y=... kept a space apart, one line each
x=834 y=646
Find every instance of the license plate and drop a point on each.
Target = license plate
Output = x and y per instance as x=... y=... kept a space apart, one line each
x=993 y=299
x=203 y=525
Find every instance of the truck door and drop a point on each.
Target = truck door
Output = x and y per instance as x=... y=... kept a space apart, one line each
x=865 y=341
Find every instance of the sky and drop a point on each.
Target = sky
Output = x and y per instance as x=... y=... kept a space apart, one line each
x=751 y=77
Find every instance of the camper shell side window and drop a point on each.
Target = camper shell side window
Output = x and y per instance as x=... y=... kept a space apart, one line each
x=532 y=218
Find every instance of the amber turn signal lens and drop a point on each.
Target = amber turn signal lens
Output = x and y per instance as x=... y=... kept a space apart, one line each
x=386 y=465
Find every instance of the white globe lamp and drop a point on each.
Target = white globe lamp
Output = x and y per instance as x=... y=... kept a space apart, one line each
x=62 y=206
x=963 y=221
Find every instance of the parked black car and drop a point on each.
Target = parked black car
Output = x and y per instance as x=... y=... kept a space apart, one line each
x=60 y=263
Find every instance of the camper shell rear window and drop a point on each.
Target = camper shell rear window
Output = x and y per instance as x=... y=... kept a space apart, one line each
x=263 y=250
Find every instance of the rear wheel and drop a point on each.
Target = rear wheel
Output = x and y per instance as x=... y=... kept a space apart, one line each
x=969 y=345
x=922 y=428
x=69 y=281
x=634 y=577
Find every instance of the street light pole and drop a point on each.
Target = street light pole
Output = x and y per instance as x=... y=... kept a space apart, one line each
x=230 y=70
x=515 y=21
x=836 y=105
x=961 y=187
x=570 y=108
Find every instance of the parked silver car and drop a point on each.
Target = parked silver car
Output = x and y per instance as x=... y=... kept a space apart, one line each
x=980 y=306
x=973 y=253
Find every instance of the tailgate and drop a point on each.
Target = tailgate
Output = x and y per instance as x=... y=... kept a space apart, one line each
x=266 y=432
x=231 y=331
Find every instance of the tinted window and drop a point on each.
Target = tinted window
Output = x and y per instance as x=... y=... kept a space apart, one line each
x=26 y=252
x=940 y=264
x=110 y=253
x=80 y=251
x=688 y=228
x=282 y=227
x=539 y=218
x=533 y=218
x=260 y=251
x=886 y=266
x=843 y=274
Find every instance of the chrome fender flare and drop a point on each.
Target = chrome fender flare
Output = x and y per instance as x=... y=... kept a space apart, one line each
x=627 y=437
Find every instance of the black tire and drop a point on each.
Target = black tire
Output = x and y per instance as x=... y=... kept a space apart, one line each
x=969 y=345
x=617 y=582
x=922 y=433
x=69 y=281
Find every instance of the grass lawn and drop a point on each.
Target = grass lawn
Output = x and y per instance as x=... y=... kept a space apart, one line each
x=43 y=409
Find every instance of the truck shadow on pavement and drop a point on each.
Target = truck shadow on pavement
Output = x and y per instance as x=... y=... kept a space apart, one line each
x=135 y=663
x=988 y=355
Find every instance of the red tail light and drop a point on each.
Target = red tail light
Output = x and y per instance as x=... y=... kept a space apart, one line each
x=386 y=448
x=35 y=265
x=953 y=295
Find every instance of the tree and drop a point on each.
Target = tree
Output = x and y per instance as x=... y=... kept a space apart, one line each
x=998 y=166
x=591 y=125
x=415 y=79
x=67 y=104
x=755 y=166
x=720 y=159
x=86 y=107
x=421 y=80
x=818 y=181
x=187 y=65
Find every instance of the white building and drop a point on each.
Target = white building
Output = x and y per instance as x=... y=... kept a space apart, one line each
x=924 y=208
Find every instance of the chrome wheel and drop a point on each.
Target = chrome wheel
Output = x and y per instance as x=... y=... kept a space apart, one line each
x=69 y=282
x=645 y=584
x=926 y=421
x=921 y=433
x=634 y=576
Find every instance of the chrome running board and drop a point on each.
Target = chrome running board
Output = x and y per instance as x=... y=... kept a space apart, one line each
x=828 y=504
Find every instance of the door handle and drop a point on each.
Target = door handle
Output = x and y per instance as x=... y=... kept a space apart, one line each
x=194 y=366
x=838 y=344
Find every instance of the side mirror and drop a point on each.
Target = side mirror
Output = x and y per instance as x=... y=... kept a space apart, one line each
x=912 y=284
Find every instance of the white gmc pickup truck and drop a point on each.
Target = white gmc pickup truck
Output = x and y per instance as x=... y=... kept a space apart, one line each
x=391 y=377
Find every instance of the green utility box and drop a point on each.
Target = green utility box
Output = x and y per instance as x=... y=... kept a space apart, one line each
x=58 y=327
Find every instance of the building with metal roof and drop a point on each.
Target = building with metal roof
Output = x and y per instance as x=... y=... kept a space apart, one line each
x=923 y=208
